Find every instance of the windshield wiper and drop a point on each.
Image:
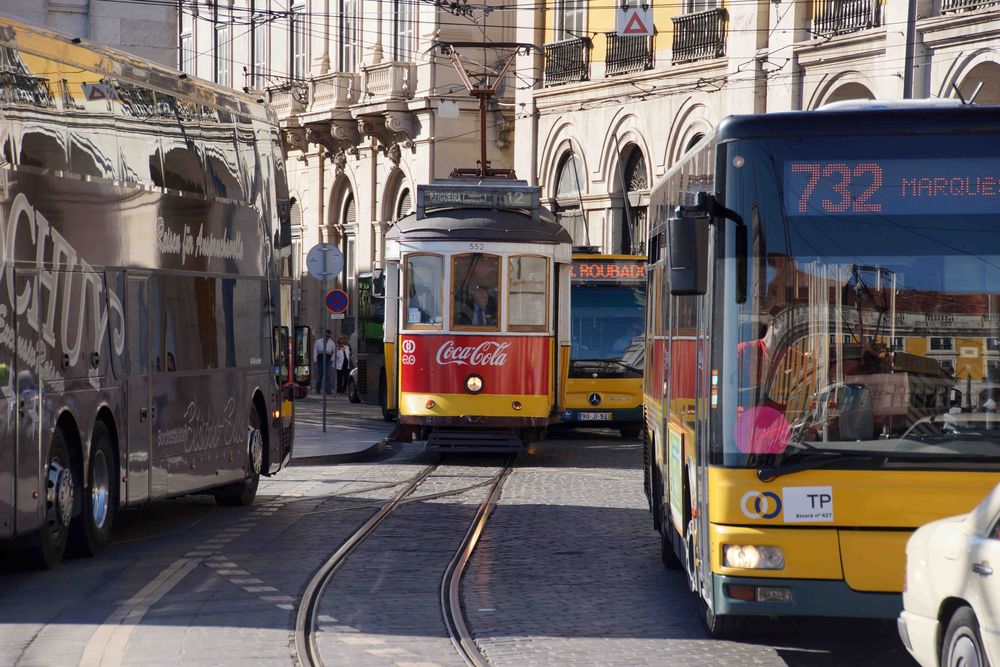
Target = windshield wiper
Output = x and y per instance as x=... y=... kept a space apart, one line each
x=771 y=473
x=603 y=362
x=627 y=365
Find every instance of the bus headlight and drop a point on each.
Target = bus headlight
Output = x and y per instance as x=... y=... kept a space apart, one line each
x=474 y=384
x=749 y=557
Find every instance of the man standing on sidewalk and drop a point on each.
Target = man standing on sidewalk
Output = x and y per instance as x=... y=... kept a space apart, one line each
x=323 y=352
x=343 y=364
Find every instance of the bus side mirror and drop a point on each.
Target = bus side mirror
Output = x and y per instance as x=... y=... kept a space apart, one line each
x=688 y=241
x=301 y=366
x=378 y=283
x=280 y=352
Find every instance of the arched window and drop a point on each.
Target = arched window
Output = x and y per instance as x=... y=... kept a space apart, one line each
x=405 y=204
x=850 y=91
x=350 y=211
x=568 y=208
x=987 y=74
x=636 y=183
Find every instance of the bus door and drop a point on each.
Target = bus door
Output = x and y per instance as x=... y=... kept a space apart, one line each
x=28 y=445
x=140 y=416
x=8 y=420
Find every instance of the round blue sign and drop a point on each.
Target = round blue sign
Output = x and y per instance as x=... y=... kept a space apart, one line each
x=336 y=301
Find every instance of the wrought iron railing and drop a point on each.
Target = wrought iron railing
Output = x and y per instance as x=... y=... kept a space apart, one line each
x=700 y=36
x=628 y=53
x=839 y=17
x=954 y=6
x=567 y=61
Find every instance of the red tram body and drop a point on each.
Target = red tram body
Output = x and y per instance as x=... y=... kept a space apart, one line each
x=477 y=331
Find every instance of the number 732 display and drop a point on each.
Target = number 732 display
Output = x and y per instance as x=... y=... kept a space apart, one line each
x=891 y=187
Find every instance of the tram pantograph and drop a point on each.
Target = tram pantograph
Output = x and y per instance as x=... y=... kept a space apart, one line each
x=477 y=329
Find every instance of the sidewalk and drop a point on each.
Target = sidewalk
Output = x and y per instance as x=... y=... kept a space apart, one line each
x=354 y=431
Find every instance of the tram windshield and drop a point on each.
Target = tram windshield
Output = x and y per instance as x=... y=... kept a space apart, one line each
x=607 y=335
x=871 y=328
x=476 y=279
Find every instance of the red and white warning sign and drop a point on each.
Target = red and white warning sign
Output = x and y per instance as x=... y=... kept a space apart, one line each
x=634 y=21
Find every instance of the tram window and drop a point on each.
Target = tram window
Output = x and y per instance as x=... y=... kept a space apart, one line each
x=528 y=298
x=424 y=279
x=475 y=280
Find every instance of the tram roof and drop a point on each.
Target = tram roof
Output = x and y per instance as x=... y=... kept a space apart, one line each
x=879 y=119
x=477 y=224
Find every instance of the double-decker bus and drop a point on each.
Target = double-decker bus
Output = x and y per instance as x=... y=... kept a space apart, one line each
x=821 y=285
x=142 y=349
x=607 y=352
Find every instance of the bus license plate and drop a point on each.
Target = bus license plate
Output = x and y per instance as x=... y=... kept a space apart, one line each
x=595 y=416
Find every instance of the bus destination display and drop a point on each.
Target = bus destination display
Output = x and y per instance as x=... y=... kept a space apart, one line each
x=892 y=187
x=613 y=269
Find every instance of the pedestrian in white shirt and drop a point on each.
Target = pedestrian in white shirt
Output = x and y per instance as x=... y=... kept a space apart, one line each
x=323 y=354
x=343 y=364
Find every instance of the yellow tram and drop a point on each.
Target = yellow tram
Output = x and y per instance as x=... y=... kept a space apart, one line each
x=477 y=328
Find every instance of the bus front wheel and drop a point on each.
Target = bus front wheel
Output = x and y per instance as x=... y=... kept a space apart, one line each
x=47 y=547
x=92 y=529
x=242 y=494
x=630 y=432
x=724 y=626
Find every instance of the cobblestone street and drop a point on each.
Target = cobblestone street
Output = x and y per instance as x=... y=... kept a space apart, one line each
x=567 y=572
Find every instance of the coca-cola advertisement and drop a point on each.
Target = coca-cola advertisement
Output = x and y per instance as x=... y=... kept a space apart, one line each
x=507 y=364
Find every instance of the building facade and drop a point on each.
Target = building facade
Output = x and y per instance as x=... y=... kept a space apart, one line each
x=370 y=106
x=145 y=29
x=608 y=114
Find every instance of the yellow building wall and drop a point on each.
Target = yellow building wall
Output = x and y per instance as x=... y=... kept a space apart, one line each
x=601 y=19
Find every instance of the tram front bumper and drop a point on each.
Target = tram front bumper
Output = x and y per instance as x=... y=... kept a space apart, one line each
x=805 y=597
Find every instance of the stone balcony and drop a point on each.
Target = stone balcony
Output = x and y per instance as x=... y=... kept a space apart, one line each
x=288 y=99
x=388 y=81
x=334 y=91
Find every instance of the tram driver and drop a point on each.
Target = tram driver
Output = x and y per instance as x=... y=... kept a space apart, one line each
x=480 y=310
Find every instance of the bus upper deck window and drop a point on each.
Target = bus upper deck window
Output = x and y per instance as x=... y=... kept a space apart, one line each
x=475 y=288
x=424 y=280
x=528 y=294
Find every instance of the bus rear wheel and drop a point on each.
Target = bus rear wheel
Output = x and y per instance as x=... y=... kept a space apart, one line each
x=90 y=532
x=46 y=548
x=242 y=494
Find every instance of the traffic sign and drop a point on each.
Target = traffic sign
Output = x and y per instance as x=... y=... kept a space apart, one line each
x=324 y=261
x=336 y=301
x=634 y=21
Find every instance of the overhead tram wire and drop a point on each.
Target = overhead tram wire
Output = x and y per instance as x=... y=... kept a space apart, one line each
x=499 y=8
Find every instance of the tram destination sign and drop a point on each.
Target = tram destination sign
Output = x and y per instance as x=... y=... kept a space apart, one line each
x=608 y=270
x=505 y=196
x=892 y=187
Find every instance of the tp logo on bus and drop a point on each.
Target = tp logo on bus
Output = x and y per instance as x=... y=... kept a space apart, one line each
x=764 y=505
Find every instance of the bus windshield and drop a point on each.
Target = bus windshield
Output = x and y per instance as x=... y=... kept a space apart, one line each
x=608 y=321
x=871 y=327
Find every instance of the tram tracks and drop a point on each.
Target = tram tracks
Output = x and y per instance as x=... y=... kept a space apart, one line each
x=306 y=635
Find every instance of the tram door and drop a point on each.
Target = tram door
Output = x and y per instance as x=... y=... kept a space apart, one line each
x=140 y=420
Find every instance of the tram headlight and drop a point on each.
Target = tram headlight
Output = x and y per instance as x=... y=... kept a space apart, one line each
x=474 y=384
x=750 y=557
